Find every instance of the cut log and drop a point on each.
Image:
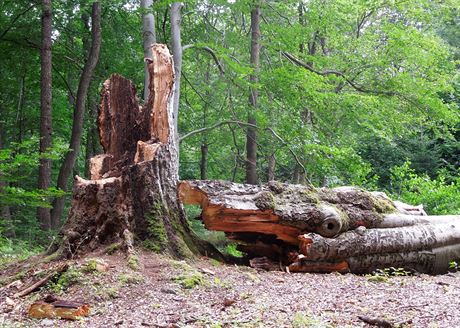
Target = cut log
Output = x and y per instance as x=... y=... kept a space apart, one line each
x=132 y=193
x=380 y=241
x=284 y=210
x=343 y=229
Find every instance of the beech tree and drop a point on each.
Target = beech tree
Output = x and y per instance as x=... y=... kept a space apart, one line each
x=44 y=173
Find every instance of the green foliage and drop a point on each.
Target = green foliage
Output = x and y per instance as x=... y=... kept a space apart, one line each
x=437 y=195
x=68 y=278
x=231 y=249
x=16 y=250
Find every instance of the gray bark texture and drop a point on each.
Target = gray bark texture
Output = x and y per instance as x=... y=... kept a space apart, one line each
x=176 y=49
x=322 y=230
x=149 y=38
x=78 y=114
x=44 y=171
x=133 y=186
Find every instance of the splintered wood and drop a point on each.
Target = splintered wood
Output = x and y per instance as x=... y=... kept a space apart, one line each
x=343 y=229
x=52 y=307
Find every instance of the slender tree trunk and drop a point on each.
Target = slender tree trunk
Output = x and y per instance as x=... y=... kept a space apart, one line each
x=176 y=49
x=271 y=167
x=19 y=114
x=79 y=112
x=251 y=134
x=149 y=38
x=204 y=161
x=204 y=140
x=44 y=172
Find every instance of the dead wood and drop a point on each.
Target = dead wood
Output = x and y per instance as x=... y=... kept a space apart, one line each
x=59 y=270
x=343 y=229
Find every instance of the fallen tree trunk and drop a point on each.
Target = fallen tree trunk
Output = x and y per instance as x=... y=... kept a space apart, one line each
x=323 y=230
x=132 y=192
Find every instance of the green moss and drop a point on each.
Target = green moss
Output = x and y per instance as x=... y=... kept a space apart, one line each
x=310 y=196
x=130 y=279
x=112 y=248
x=191 y=280
x=158 y=238
x=265 y=201
x=133 y=262
x=383 y=205
x=70 y=277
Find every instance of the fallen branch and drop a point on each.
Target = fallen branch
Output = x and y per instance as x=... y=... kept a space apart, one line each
x=376 y=322
x=42 y=282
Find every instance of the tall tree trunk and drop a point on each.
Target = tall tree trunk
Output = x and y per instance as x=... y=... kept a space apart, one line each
x=44 y=172
x=133 y=186
x=176 y=44
x=149 y=38
x=19 y=114
x=251 y=134
x=79 y=112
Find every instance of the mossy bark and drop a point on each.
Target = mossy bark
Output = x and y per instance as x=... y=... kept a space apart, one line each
x=322 y=230
x=132 y=194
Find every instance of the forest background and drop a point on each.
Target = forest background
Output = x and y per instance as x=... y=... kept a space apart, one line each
x=327 y=92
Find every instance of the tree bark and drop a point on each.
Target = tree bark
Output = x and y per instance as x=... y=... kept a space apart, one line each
x=133 y=186
x=176 y=44
x=79 y=113
x=149 y=38
x=44 y=172
x=322 y=230
x=251 y=134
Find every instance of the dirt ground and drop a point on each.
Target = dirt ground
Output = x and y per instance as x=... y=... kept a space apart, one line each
x=155 y=291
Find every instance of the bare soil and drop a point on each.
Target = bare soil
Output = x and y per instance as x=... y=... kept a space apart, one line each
x=163 y=292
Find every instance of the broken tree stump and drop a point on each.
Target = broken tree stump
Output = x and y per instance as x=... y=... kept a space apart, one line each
x=132 y=193
x=323 y=230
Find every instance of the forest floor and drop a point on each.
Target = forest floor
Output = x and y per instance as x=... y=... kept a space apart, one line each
x=156 y=291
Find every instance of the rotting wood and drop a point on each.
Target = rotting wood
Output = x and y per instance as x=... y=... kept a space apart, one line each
x=132 y=194
x=52 y=307
x=308 y=229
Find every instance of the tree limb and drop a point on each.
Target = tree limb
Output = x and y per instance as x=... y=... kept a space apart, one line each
x=229 y=122
x=14 y=20
x=210 y=51
x=336 y=73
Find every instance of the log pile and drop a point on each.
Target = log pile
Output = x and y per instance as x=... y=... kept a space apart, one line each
x=343 y=229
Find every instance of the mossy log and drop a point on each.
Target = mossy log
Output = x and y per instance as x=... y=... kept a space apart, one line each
x=322 y=230
x=132 y=193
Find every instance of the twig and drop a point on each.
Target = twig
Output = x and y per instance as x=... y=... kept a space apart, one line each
x=210 y=51
x=376 y=322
